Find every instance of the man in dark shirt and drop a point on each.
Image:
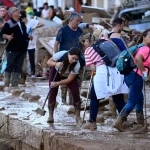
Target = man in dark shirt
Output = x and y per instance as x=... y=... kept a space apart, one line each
x=68 y=37
x=15 y=32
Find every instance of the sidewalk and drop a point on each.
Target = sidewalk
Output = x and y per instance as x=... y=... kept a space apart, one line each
x=29 y=131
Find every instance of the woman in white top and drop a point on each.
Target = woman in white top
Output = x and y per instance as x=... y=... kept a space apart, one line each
x=31 y=25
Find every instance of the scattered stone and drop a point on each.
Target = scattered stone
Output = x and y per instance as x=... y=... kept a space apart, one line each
x=13 y=114
x=2 y=108
x=71 y=109
x=25 y=95
x=34 y=98
x=27 y=118
x=17 y=92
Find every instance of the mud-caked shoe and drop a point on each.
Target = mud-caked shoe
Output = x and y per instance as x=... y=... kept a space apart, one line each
x=50 y=120
x=90 y=125
x=118 y=124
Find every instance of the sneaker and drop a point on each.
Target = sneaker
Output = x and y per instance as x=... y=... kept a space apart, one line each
x=89 y=125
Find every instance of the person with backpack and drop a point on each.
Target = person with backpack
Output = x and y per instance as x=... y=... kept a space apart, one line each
x=64 y=69
x=134 y=80
x=116 y=38
x=104 y=85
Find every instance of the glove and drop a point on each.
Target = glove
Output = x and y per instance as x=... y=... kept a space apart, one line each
x=144 y=76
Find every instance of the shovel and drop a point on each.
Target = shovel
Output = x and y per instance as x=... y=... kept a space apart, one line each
x=41 y=111
x=92 y=74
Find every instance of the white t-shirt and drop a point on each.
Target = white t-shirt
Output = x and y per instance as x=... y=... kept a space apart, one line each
x=45 y=13
x=58 y=56
x=30 y=26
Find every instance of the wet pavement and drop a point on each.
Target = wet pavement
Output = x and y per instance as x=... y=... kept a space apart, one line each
x=21 y=122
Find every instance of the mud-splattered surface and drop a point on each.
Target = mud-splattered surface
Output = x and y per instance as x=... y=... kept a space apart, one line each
x=104 y=138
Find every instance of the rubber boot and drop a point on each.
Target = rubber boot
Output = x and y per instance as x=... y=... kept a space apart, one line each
x=122 y=117
x=15 y=79
x=63 y=94
x=77 y=114
x=51 y=113
x=7 y=78
x=112 y=109
x=140 y=117
x=70 y=98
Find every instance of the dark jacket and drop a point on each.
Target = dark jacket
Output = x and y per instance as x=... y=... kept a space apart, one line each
x=20 y=41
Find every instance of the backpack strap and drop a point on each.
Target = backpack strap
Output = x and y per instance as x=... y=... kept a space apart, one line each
x=63 y=57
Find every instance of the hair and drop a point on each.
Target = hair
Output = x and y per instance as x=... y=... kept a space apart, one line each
x=74 y=15
x=117 y=21
x=29 y=4
x=23 y=14
x=45 y=4
x=52 y=7
x=84 y=36
x=144 y=34
x=72 y=51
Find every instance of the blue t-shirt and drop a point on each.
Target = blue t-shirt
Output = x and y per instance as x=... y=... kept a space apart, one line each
x=118 y=42
x=68 y=38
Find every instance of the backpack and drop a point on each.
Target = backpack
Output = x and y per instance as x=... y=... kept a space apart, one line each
x=125 y=62
x=108 y=51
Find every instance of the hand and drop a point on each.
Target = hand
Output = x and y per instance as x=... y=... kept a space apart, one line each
x=34 y=27
x=30 y=38
x=54 y=84
x=135 y=38
x=10 y=37
x=59 y=64
x=144 y=76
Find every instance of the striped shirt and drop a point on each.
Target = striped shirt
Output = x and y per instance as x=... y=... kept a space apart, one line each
x=92 y=57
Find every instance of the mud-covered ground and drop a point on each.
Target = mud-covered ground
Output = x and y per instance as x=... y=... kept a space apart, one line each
x=104 y=138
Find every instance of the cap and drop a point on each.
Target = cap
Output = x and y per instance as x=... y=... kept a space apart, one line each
x=11 y=10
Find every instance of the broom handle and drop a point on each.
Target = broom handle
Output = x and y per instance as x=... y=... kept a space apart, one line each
x=92 y=74
x=4 y=49
x=49 y=90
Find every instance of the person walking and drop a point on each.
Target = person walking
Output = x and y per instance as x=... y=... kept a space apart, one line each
x=14 y=31
x=101 y=87
x=134 y=81
x=66 y=70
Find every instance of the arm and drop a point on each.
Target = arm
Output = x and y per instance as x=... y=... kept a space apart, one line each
x=56 y=44
x=139 y=62
x=8 y=37
x=53 y=63
x=40 y=24
x=65 y=81
x=131 y=43
x=93 y=67
x=86 y=25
